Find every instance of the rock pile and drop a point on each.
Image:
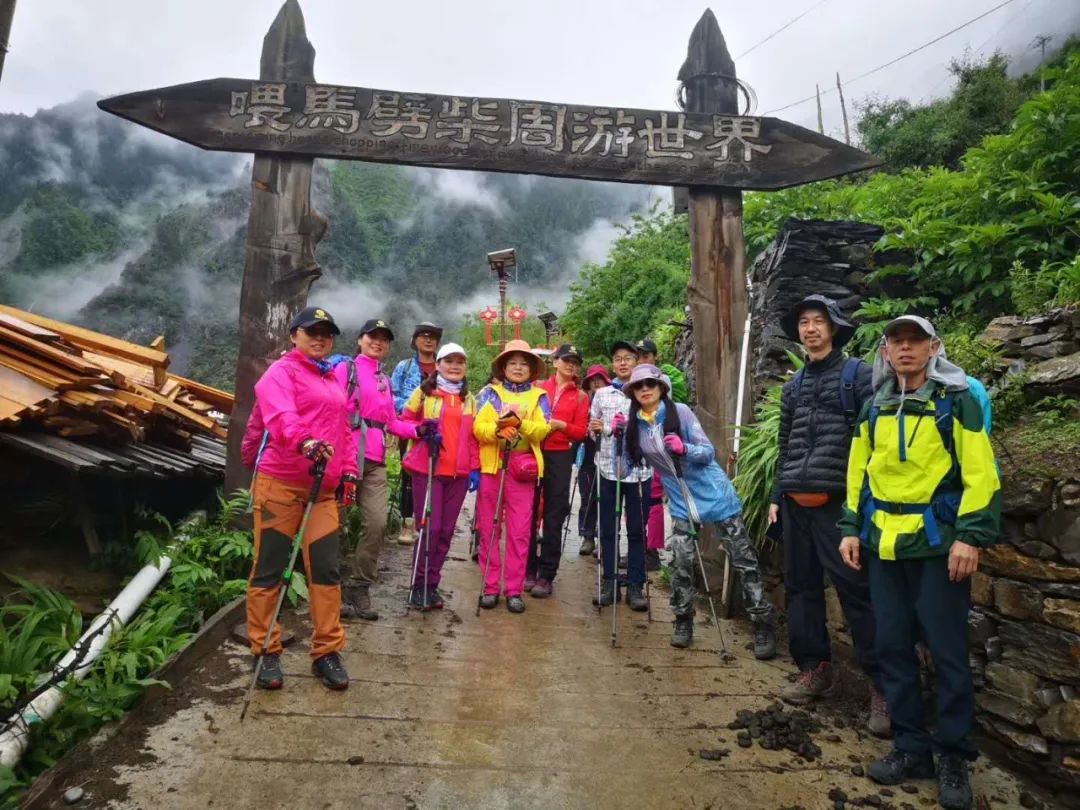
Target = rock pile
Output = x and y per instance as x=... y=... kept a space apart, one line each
x=1045 y=348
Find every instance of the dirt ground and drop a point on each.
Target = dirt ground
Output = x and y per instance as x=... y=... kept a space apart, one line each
x=454 y=710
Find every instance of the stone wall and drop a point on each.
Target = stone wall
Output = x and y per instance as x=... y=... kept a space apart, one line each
x=1025 y=622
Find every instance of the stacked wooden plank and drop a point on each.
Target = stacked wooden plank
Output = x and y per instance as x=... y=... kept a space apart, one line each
x=73 y=382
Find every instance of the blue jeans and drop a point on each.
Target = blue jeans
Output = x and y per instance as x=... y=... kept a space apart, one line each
x=633 y=496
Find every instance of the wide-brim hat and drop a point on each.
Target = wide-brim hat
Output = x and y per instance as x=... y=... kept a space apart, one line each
x=425 y=326
x=845 y=329
x=597 y=370
x=647 y=371
x=513 y=347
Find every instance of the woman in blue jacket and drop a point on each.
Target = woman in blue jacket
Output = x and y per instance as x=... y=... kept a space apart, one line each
x=659 y=432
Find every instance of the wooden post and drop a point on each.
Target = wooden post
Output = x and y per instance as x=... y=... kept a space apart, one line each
x=7 y=13
x=717 y=289
x=820 y=120
x=843 y=110
x=283 y=229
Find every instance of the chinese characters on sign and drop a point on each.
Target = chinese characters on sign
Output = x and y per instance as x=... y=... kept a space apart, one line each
x=487 y=124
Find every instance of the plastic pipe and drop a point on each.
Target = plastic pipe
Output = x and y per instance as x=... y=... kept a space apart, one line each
x=15 y=741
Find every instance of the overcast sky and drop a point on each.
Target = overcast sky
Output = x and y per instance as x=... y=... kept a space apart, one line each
x=611 y=52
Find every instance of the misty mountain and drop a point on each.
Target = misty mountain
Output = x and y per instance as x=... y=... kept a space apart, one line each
x=111 y=226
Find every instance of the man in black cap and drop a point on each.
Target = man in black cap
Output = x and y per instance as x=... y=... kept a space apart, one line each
x=407 y=376
x=819 y=407
x=569 y=423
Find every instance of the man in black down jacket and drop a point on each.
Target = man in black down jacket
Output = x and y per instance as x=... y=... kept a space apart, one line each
x=811 y=474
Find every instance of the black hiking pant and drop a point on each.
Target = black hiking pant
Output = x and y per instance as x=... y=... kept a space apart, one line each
x=555 y=487
x=812 y=550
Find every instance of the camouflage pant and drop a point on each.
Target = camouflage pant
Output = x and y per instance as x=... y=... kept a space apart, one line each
x=743 y=559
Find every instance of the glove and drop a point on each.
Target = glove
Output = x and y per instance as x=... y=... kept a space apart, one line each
x=316 y=450
x=474 y=480
x=428 y=431
x=674 y=445
x=346 y=490
x=508 y=419
x=618 y=423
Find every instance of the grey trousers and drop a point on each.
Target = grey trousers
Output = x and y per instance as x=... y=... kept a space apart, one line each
x=744 y=560
x=372 y=495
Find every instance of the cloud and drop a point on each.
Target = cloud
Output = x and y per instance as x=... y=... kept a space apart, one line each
x=461 y=188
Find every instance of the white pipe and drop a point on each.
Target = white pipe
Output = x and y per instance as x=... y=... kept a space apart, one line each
x=15 y=741
x=743 y=361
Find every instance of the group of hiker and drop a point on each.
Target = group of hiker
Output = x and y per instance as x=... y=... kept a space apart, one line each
x=885 y=483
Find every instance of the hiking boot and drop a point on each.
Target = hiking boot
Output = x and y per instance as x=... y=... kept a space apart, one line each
x=542 y=589
x=683 y=634
x=515 y=604
x=329 y=669
x=270 y=676
x=622 y=562
x=607 y=594
x=356 y=603
x=588 y=546
x=652 y=559
x=880 y=723
x=899 y=766
x=435 y=600
x=809 y=685
x=530 y=580
x=420 y=599
x=954 y=789
x=635 y=597
x=489 y=600
x=764 y=641
x=408 y=533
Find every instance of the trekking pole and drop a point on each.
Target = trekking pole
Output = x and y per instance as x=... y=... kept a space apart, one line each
x=424 y=536
x=569 y=513
x=645 y=540
x=618 y=531
x=600 y=548
x=693 y=519
x=494 y=523
x=318 y=469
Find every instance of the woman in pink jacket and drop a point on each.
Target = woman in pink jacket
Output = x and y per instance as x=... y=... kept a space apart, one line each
x=370 y=402
x=445 y=410
x=302 y=410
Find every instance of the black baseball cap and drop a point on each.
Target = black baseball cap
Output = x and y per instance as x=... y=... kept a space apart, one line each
x=647 y=346
x=374 y=325
x=567 y=350
x=623 y=344
x=311 y=316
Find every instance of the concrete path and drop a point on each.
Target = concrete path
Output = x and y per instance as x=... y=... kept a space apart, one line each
x=451 y=710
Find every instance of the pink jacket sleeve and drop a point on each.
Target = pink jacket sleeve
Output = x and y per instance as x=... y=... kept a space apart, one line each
x=277 y=403
x=352 y=447
x=252 y=441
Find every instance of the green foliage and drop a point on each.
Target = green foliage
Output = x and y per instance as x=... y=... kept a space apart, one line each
x=61 y=229
x=758 y=455
x=965 y=348
x=1052 y=284
x=640 y=287
x=938 y=133
x=210 y=562
x=1008 y=400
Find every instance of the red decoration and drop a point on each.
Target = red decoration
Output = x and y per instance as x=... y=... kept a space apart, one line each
x=516 y=316
x=489 y=316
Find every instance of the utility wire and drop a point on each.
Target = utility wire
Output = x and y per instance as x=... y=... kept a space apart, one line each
x=780 y=30
x=897 y=59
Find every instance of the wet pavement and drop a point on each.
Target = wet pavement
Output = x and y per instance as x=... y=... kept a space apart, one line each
x=453 y=710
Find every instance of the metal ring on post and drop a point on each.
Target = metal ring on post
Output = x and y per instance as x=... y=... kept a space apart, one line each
x=748 y=94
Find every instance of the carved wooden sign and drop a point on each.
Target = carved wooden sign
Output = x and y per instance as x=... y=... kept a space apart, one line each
x=490 y=134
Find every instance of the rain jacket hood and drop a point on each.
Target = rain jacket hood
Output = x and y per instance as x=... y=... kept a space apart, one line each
x=710 y=489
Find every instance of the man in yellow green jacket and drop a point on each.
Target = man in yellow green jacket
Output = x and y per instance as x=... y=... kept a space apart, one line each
x=923 y=498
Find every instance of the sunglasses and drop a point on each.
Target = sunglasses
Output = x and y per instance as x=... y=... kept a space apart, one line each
x=318 y=333
x=647 y=384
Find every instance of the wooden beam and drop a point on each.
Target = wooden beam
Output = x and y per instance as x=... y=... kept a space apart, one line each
x=26 y=328
x=94 y=341
x=612 y=143
x=220 y=400
x=283 y=229
x=717 y=288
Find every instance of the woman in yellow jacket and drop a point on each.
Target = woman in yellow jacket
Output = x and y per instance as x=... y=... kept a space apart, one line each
x=511 y=422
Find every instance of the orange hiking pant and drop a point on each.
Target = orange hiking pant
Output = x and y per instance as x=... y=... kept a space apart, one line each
x=279 y=508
